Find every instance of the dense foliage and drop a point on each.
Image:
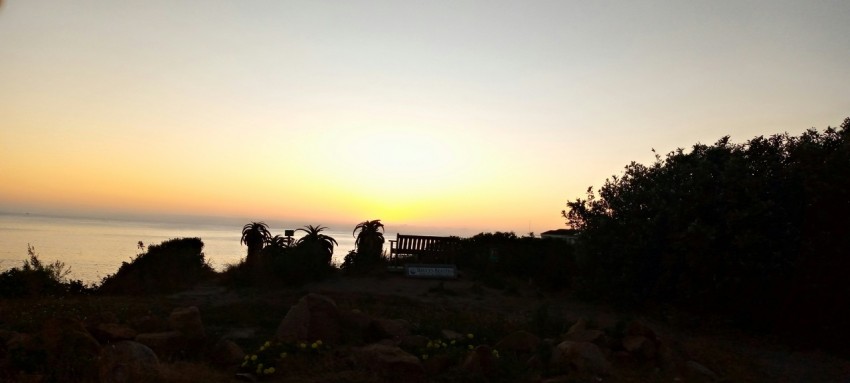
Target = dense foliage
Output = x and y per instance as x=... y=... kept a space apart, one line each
x=546 y=262
x=170 y=266
x=757 y=231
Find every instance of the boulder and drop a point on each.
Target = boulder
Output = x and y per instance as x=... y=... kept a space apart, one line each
x=580 y=325
x=451 y=335
x=148 y=324
x=592 y=336
x=128 y=362
x=698 y=372
x=583 y=356
x=412 y=342
x=520 y=342
x=638 y=328
x=314 y=317
x=72 y=353
x=640 y=346
x=355 y=323
x=226 y=353
x=481 y=361
x=187 y=320
x=390 y=362
x=394 y=329
x=167 y=345
x=112 y=332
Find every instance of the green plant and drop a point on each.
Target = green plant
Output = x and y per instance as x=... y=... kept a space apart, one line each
x=273 y=356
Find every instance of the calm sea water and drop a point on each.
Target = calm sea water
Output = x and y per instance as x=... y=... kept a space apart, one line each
x=95 y=248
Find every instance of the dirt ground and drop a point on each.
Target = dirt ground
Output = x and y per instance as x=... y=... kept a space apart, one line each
x=732 y=354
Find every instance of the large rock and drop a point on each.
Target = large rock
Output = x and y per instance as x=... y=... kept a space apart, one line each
x=698 y=372
x=583 y=356
x=314 y=317
x=640 y=346
x=128 y=362
x=112 y=332
x=167 y=345
x=390 y=362
x=592 y=336
x=72 y=353
x=148 y=324
x=481 y=361
x=187 y=320
x=580 y=325
x=226 y=353
x=638 y=328
x=393 y=329
x=520 y=342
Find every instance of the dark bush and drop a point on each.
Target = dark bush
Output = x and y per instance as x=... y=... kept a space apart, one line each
x=547 y=262
x=35 y=278
x=170 y=266
x=756 y=232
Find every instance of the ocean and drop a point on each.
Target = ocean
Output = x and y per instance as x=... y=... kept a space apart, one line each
x=96 y=247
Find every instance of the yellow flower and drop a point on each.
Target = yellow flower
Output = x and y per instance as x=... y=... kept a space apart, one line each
x=314 y=345
x=259 y=368
x=282 y=355
x=267 y=344
x=470 y=336
x=269 y=371
x=430 y=344
x=253 y=357
x=302 y=345
x=319 y=342
x=248 y=356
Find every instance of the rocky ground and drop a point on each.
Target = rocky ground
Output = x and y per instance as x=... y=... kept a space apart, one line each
x=390 y=328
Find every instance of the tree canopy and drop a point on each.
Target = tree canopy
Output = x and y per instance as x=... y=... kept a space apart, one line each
x=750 y=230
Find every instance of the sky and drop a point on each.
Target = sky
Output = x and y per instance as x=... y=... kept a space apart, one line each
x=467 y=115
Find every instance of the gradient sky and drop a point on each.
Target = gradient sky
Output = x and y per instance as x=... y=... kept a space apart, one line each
x=484 y=115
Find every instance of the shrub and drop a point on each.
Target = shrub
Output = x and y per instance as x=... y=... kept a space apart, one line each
x=756 y=232
x=170 y=266
x=35 y=278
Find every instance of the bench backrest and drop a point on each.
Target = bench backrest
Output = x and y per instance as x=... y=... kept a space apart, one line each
x=422 y=244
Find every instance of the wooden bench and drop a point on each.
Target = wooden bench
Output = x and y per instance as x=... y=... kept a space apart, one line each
x=422 y=248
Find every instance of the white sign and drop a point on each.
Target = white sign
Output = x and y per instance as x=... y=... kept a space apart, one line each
x=431 y=271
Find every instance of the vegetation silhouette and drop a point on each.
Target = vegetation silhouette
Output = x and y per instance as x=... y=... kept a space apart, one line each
x=757 y=232
x=368 y=246
x=317 y=247
x=168 y=267
x=255 y=235
x=35 y=278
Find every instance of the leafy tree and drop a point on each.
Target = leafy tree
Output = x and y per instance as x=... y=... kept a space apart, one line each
x=255 y=235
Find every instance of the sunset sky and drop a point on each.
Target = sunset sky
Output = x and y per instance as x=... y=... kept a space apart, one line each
x=483 y=115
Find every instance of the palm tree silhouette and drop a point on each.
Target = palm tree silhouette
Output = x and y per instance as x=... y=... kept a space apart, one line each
x=255 y=235
x=320 y=247
x=281 y=241
x=370 y=240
